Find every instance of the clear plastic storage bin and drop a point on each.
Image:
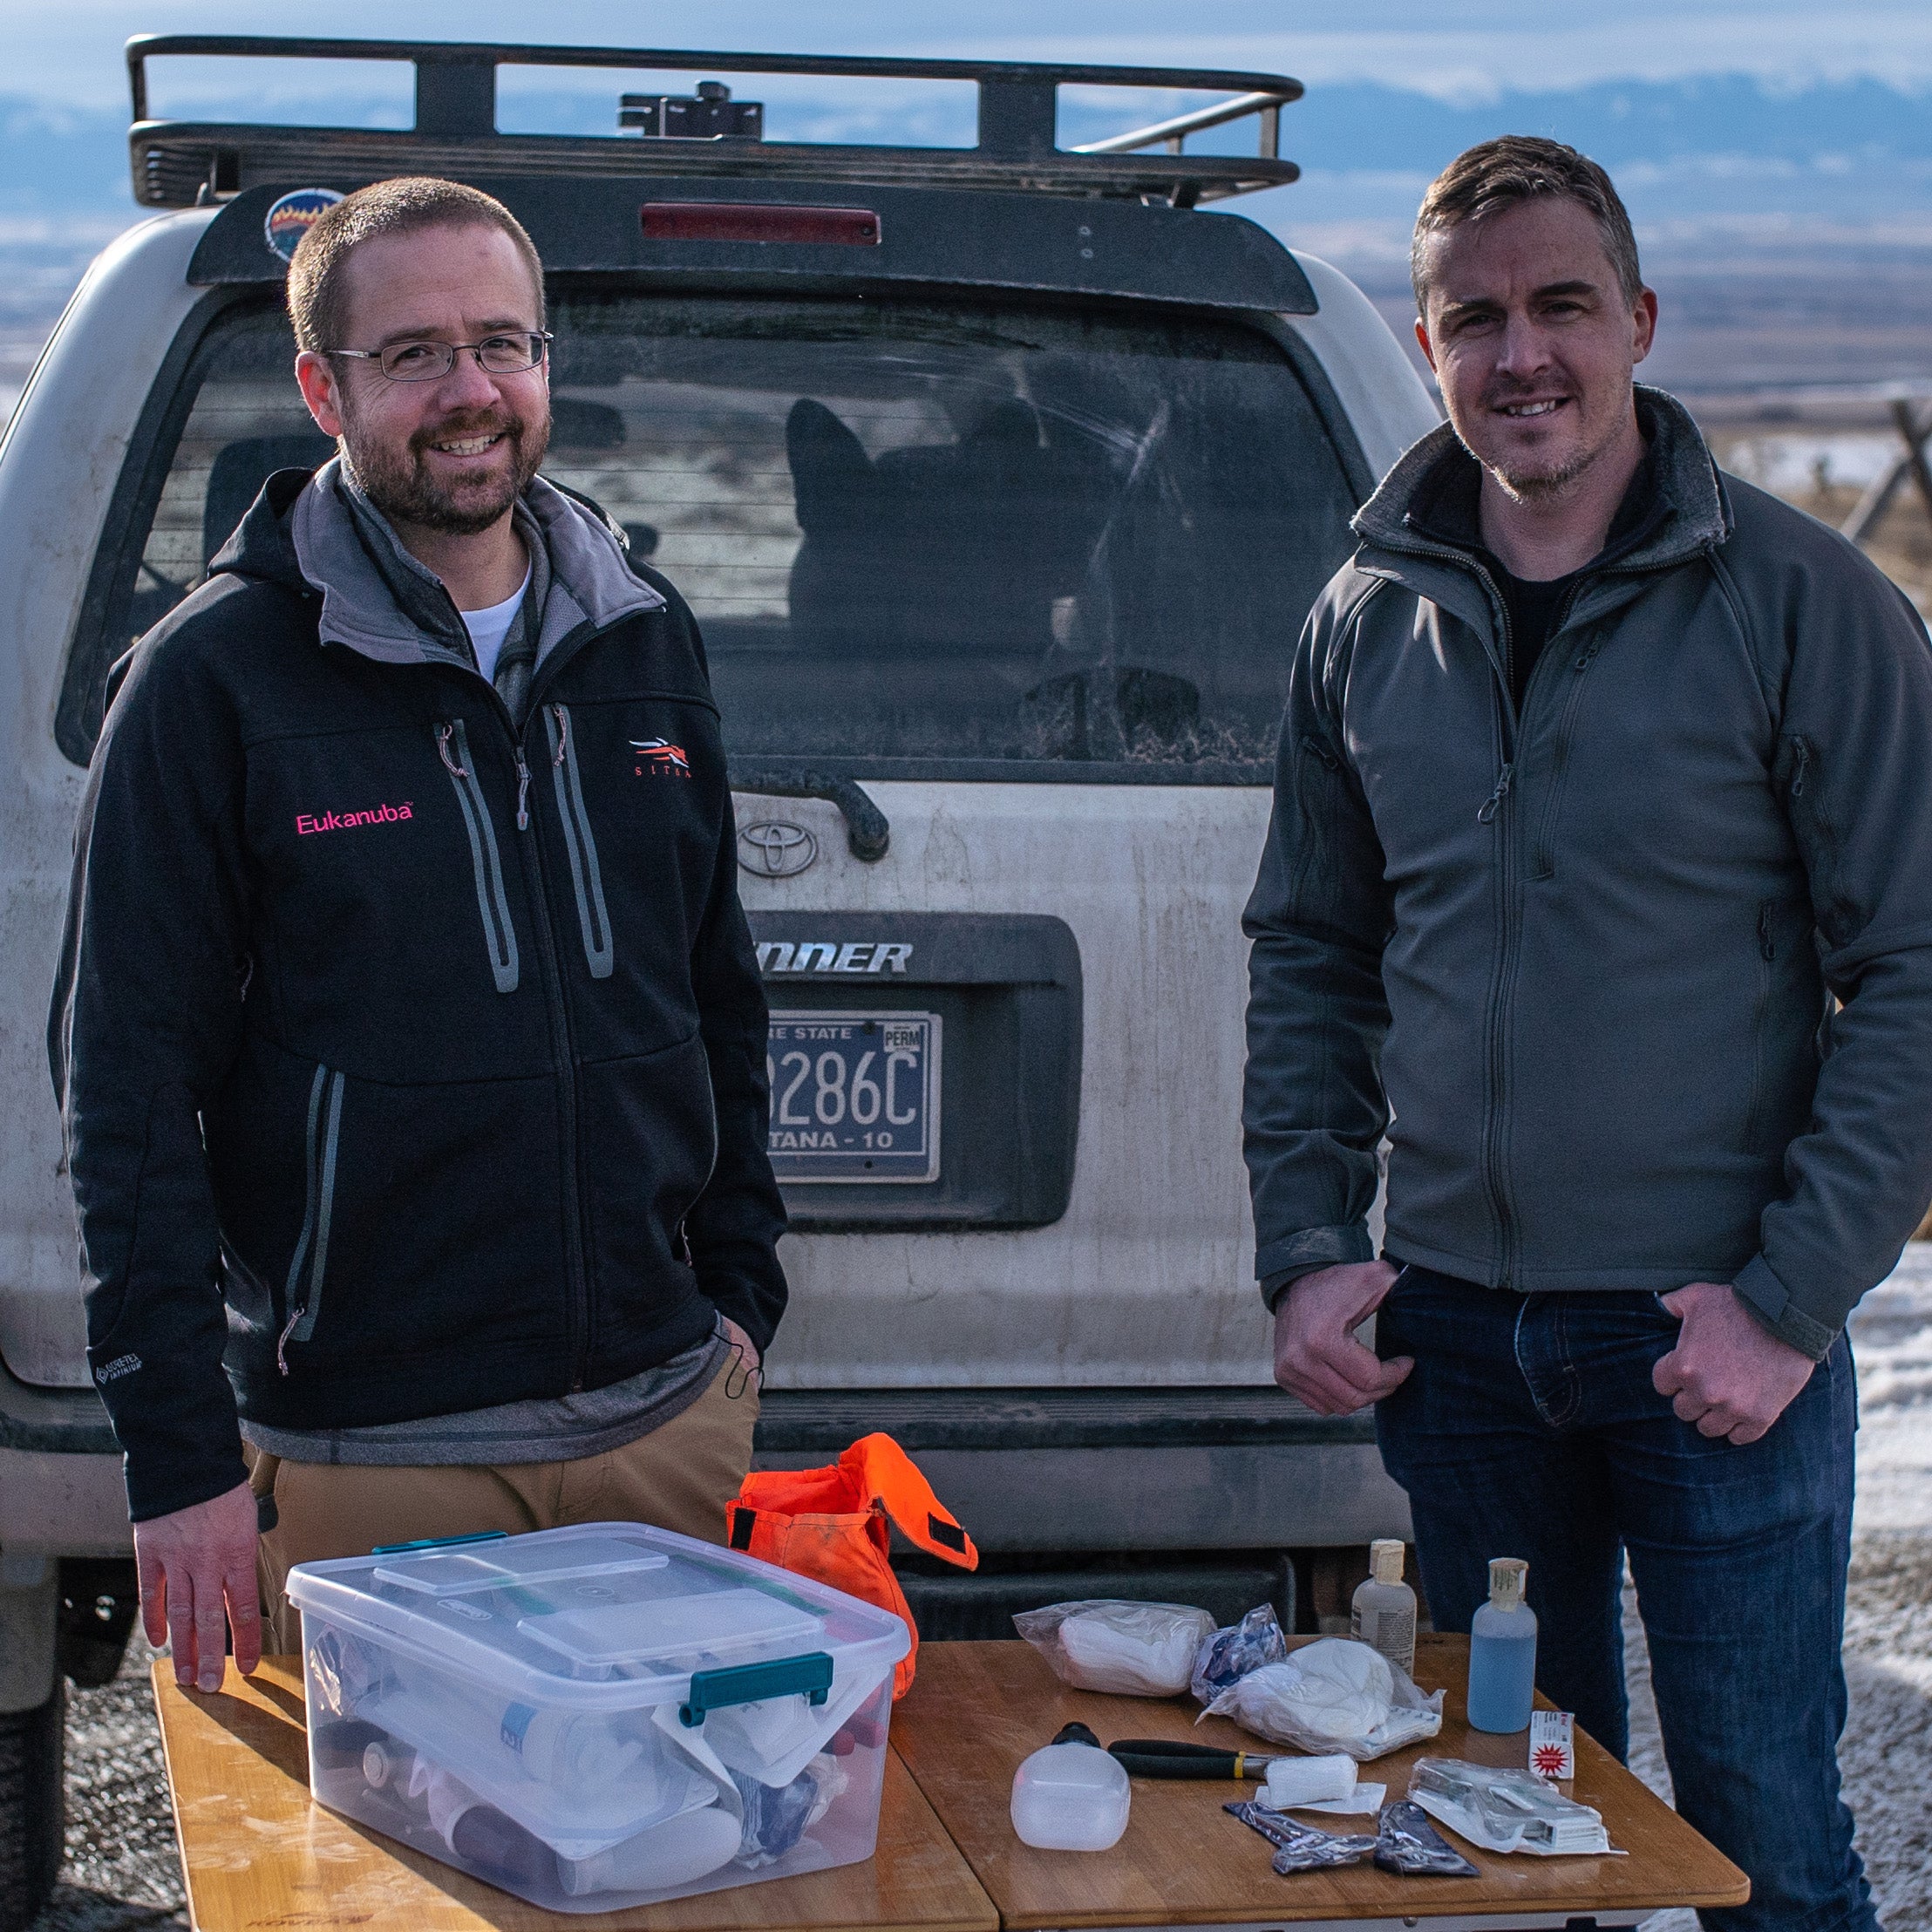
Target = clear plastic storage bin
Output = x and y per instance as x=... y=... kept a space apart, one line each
x=600 y=1717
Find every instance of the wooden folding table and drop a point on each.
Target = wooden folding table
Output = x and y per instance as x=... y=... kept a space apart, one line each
x=258 y=1856
x=977 y=1709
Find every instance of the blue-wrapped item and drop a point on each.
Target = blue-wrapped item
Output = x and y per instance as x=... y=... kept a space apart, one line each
x=1230 y=1654
x=1302 y=1847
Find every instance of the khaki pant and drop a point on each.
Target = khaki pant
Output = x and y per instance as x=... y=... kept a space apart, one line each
x=678 y=1476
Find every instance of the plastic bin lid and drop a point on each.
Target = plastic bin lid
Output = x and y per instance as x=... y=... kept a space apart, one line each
x=597 y=1615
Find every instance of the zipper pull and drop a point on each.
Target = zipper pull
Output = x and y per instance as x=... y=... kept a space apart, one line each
x=280 y=1359
x=523 y=794
x=562 y=717
x=1766 y=945
x=443 y=733
x=1496 y=797
x=1800 y=755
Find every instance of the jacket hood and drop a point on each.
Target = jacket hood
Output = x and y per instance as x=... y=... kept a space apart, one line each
x=299 y=532
x=1698 y=516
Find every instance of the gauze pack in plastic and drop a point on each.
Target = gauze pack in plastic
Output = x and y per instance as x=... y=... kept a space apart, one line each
x=1332 y=1695
x=1131 y=1650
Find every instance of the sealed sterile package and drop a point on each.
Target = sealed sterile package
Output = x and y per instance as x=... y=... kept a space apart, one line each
x=1301 y=1849
x=1130 y=1649
x=1230 y=1654
x=1507 y=1810
x=1406 y=1841
x=1332 y=1695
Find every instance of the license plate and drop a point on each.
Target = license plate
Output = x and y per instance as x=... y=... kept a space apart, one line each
x=855 y=1095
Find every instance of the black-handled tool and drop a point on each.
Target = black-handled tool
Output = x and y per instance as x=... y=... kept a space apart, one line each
x=1165 y=1758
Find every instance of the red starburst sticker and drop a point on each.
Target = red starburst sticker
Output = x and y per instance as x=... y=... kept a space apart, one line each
x=1552 y=1745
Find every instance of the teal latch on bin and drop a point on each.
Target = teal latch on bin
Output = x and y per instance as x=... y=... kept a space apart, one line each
x=752 y=1683
x=440 y=1542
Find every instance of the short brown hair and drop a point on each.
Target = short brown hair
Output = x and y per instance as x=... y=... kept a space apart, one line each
x=317 y=291
x=1508 y=171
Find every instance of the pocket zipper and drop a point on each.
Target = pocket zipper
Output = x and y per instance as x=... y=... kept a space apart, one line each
x=492 y=902
x=319 y=1184
x=586 y=876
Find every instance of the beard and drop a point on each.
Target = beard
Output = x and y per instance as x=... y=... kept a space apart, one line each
x=398 y=481
x=1546 y=478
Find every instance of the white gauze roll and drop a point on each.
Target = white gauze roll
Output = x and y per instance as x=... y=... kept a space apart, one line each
x=1310 y=1781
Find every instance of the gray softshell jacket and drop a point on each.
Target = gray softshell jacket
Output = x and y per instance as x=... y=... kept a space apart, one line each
x=1576 y=963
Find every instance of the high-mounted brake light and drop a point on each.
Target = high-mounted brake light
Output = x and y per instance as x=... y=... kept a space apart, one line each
x=759 y=221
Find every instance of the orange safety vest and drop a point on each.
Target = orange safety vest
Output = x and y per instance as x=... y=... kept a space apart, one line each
x=830 y=1524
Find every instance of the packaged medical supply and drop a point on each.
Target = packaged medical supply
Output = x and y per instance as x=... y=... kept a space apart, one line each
x=1505 y=1810
x=1332 y=1695
x=1406 y=1841
x=1552 y=1745
x=598 y=1716
x=1230 y=1654
x=1502 y=1652
x=1131 y=1650
x=1293 y=1781
x=1382 y=1612
x=1070 y=1796
x=1301 y=1848
x=1365 y=1801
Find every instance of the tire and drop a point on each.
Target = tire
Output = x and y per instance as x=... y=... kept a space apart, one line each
x=32 y=1781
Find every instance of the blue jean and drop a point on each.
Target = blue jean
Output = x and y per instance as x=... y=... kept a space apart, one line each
x=1530 y=1427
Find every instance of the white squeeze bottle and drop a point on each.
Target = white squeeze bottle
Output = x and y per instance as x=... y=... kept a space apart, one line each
x=1383 y=1614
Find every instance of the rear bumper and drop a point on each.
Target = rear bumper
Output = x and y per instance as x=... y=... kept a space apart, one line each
x=1052 y=1470
x=61 y=1493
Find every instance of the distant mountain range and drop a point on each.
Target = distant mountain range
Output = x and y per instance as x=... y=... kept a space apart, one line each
x=1841 y=161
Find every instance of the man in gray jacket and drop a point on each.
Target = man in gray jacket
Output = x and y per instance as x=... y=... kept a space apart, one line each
x=1599 y=880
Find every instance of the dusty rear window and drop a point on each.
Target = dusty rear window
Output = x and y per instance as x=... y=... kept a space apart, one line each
x=910 y=533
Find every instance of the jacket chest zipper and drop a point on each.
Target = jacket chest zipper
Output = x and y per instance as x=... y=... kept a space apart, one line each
x=531 y=852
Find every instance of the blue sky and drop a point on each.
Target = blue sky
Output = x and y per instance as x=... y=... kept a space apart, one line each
x=1460 y=49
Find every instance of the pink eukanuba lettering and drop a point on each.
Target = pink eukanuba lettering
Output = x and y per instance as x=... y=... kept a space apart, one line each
x=307 y=822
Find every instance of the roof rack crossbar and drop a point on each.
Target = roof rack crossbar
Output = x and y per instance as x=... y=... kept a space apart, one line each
x=1017 y=120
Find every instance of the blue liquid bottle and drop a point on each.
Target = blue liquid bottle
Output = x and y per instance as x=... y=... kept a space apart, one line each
x=1502 y=1652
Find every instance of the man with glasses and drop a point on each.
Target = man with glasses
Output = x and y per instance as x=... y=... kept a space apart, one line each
x=408 y=1032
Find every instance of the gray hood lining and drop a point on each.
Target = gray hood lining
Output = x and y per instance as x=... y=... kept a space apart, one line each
x=590 y=582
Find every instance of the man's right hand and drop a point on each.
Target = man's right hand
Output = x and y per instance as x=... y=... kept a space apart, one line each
x=1317 y=1355
x=197 y=1572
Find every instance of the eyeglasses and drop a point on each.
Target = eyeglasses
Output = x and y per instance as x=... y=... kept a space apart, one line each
x=509 y=354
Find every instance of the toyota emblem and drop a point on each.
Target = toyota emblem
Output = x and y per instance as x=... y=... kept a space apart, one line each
x=771 y=849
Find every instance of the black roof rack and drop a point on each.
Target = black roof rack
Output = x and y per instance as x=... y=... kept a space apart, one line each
x=180 y=163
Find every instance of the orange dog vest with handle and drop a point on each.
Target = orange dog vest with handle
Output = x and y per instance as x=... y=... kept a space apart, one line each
x=831 y=1524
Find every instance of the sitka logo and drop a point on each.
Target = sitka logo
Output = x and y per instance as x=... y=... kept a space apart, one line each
x=659 y=758
x=307 y=822
x=122 y=1365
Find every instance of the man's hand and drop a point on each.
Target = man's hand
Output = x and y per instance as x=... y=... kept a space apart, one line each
x=197 y=1570
x=1729 y=1374
x=1317 y=1355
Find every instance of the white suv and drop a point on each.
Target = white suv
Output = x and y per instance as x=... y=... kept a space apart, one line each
x=1000 y=480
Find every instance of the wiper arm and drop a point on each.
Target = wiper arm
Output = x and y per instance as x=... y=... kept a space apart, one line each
x=867 y=832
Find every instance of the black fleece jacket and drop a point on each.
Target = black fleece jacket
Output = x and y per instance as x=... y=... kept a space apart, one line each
x=409 y=1064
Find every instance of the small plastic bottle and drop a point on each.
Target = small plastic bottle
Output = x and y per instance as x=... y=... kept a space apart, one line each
x=1502 y=1652
x=1383 y=1614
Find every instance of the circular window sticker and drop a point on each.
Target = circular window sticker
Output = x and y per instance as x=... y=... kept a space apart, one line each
x=293 y=215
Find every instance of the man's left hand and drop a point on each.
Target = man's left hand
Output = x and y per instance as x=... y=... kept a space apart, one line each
x=1729 y=1374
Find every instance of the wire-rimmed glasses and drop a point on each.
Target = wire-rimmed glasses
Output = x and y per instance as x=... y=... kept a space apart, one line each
x=509 y=353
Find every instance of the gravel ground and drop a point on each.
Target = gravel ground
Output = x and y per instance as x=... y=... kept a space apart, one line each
x=122 y=1870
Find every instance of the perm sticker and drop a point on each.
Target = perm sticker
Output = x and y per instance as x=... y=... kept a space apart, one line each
x=1552 y=1745
x=291 y=218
